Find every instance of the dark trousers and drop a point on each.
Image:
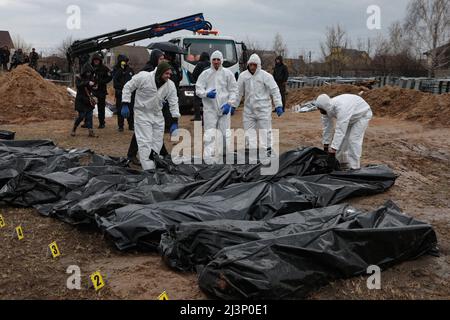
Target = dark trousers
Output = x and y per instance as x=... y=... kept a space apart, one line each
x=197 y=108
x=86 y=116
x=133 y=148
x=101 y=105
x=282 y=87
x=120 y=119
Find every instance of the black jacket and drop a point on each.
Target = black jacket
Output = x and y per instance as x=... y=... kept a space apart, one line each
x=281 y=72
x=4 y=55
x=18 y=58
x=34 y=57
x=153 y=62
x=201 y=66
x=121 y=75
x=82 y=101
x=102 y=76
x=177 y=74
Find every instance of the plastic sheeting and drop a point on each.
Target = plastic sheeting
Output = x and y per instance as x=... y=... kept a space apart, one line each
x=188 y=245
x=305 y=107
x=142 y=225
x=74 y=185
x=284 y=259
x=250 y=235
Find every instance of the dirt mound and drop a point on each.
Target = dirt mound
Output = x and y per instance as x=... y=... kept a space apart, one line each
x=26 y=97
x=395 y=102
x=307 y=94
x=409 y=104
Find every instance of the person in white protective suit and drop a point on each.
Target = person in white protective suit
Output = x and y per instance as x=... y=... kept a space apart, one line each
x=352 y=115
x=217 y=87
x=259 y=88
x=152 y=89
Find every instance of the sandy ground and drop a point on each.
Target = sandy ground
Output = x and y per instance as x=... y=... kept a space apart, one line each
x=420 y=155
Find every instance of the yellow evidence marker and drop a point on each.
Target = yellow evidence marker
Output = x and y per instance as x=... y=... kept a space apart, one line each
x=97 y=280
x=19 y=232
x=2 y=222
x=163 y=296
x=54 y=249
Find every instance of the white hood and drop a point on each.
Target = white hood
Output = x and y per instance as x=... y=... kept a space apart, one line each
x=324 y=102
x=254 y=58
x=217 y=55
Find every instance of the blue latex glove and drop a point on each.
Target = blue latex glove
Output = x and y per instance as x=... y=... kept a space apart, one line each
x=125 y=112
x=226 y=109
x=233 y=110
x=212 y=94
x=173 y=128
x=279 y=111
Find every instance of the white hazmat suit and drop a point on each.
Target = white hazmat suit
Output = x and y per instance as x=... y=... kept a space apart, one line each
x=259 y=89
x=352 y=114
x=224 y=82
x=148 y=116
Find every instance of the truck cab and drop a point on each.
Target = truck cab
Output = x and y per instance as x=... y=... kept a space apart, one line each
x=194 y=46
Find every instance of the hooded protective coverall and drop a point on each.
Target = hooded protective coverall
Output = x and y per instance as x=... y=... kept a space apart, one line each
x=352 y=114
x=224 y=82
x=148 y=116
x=258 y=89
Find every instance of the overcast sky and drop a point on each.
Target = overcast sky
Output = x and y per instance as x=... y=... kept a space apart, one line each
x=302 y=23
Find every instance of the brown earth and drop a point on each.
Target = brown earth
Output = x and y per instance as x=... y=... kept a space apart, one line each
x=387 y=101
x=28 y=98
x=419 y=154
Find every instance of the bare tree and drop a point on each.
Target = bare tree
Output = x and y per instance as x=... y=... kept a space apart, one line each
x=369 y=47
x=61 y=51
x=336 y=41
x=428 y=24
x=20 y=43
x=335 y=37
x=381 y=55
x=394 y=54
x=360 y=45
x=399 y=42
x=279 y=46
x=252 y=44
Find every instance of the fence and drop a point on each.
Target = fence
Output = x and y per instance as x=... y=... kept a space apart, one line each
x=436 y=86
x=64 y=79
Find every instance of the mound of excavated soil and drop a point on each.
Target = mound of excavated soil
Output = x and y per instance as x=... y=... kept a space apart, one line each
x=409 y=104
x=26 y=97
x=395 y=102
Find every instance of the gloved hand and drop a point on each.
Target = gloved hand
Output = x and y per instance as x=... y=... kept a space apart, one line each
x=212 y=94
x=233 y=110
x=226 y=109
x=326 y=147
x=125 y=112
x=279 y=111
x=331 y=161
x=173 y=128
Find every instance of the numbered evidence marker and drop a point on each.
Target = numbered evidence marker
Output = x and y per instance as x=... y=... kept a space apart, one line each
x=2 y=222
x=54 y=249
x=163 y=296
x=19 y=232
x=97 y=280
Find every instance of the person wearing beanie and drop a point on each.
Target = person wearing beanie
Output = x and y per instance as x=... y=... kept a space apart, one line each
x=152 y=90
x=102 y=76
x=122 y=73
x=84 y=101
